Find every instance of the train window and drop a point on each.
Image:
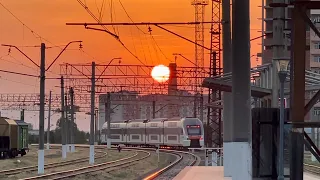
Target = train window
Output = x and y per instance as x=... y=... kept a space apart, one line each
x=153 y=125
x=115 y=136
x=153 y=137
x=172 y=124
x=194 y=130
x=135 y=125
x=172 y=138
x=135 y=137
x=115 y=125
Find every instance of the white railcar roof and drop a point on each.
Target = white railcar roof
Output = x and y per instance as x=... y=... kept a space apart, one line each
x=121 y=125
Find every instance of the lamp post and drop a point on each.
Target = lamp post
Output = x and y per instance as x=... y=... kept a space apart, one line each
x=282 y=67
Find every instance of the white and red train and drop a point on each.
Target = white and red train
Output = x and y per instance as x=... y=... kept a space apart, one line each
x=163 y=132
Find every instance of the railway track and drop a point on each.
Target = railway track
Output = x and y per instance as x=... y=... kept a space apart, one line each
x=110 y=165
x=49 y=165
x=314 y=169
x=169 y=172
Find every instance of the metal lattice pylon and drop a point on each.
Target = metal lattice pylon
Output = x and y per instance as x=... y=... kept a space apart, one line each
x=199 y=6
x=214 y=124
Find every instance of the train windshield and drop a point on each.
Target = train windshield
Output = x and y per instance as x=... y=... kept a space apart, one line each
x=194 y=130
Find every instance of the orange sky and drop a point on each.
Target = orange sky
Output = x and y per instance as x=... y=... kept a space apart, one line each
x=48 y=19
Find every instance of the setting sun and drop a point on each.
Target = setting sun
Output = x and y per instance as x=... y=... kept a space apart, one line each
x=160 y=73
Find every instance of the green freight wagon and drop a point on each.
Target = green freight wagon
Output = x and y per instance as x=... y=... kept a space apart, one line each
x=22 y=137
x=9 y=138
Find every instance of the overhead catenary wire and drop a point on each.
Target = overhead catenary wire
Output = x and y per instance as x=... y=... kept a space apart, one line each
x=106 y=30
x=18 y=73
x=37 y=35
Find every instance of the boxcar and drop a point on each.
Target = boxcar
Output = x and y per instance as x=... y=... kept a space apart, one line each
x=13 y=138
x=22 y=137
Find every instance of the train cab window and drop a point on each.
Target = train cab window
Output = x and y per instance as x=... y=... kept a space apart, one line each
x=194 y=130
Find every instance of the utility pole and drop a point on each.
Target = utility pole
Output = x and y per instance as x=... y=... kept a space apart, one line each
x=72 y=119
x=41 y=113
x=93 y=86
x=62 y=121
x=201 y=108
x=22 y=115
x=67 y=111
x=108 y=119
x=96 y=137
x=153 y=109
x=66 y=122
x=227 y=98
x=195 y=106
x=49 y=117
x=278 y=48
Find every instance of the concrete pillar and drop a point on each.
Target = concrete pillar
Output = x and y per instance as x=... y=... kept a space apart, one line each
x=227 y=98
x=241 y=91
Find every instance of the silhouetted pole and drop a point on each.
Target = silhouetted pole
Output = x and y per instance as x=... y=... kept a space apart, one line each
x=241 y=90
x=72 y=119
x=66 y=129
x=62 y=121
x=93 y=85
x=41 y=113
x=66 y=112
x=227 y=98
x=153 y=109
x=108 y=119
x=49 y=117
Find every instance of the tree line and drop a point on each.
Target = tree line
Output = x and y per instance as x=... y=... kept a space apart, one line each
x=80 y=137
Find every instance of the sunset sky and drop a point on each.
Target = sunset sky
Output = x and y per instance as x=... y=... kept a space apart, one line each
x=48 y=19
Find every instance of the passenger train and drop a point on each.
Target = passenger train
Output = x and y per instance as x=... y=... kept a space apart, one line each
x=163 y=132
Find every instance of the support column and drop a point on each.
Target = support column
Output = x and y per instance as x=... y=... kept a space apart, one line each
x=241 y=91
x=278 y=48
x=227 y=98
x=49 y=123
x=41 y=113
x=93 y=86
x=72 y=130
x=62 y=121
x=108 y=119
x=298 y=93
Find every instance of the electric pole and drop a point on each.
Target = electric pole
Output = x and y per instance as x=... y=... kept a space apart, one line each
x=48 y=129
x=93 y=81
x=66 y=123
x=41 y=113
x=62 y=122
x=21 y=115
x=72 y=119
x=153 y=109
x=67 y=111
x=108 y=119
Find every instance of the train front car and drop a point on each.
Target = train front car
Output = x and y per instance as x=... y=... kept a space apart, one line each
x=193 y=133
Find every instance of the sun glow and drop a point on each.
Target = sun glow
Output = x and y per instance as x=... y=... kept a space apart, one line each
x=160 y=73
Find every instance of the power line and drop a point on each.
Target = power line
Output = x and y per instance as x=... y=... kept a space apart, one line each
x=107 y=31
x=17 y=73
x=142 y=30
x=32 y=31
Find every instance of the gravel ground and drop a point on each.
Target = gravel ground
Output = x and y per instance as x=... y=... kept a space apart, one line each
x=111 y=155
x=175 y=170
x=131 y=171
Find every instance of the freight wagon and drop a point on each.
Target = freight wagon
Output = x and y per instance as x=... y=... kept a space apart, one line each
x=13 y=138
x=163 y=132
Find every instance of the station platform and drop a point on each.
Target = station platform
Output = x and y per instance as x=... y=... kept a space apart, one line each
x=215 y=173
